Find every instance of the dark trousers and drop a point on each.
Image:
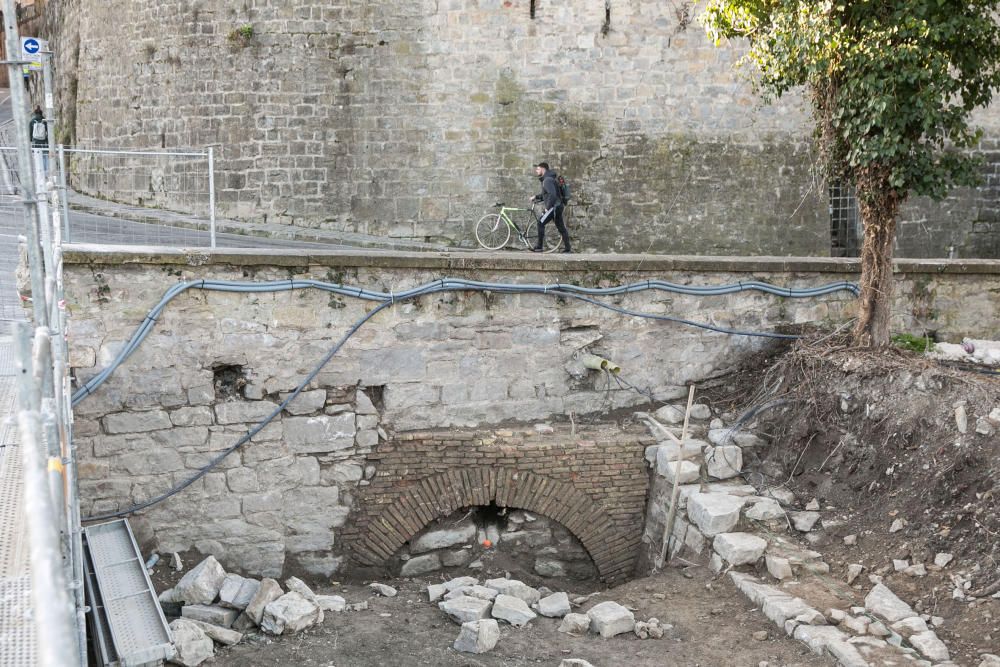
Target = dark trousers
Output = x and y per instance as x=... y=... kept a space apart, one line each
x=557 y=215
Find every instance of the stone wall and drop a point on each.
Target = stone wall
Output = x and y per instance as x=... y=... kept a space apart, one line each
x=410 y=119
x=296 y=497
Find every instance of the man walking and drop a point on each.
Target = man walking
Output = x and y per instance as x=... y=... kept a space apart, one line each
x=39 y=133
x=552 y=199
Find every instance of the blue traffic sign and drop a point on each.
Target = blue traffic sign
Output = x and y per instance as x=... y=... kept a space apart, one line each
x=31 y=45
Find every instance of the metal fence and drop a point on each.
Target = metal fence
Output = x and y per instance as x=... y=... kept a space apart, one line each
x=123 y=197
x=846 y=229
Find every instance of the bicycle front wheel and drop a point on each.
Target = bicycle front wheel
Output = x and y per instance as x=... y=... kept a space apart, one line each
x=492 y=231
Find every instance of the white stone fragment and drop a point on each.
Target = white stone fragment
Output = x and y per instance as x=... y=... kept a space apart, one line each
x=883 y=602
x=201 y=585
x=714 y=513
x=452 y=584
x=513 y=610
x=464 y=609
x=574 y=662
x=575 y=624
x=778 y=567
x=739 y=548
x=515 y=588
x=724 y=461
x=765 y=509
x=236 y=591
x=222 y=635
x=476 y=591
x=268 y=591
x=443 y=538
x=804 y=521
x=610 y=618
x=436 y=592
x=943 y=559
x=685 y=471
x=930 y=646
x=383 y=590
x=478 y=636
x=554 y=606
x=290 y=613
x=191 y=645
x=854 y=570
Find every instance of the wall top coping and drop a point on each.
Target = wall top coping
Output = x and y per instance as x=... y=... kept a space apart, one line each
x=89 y=254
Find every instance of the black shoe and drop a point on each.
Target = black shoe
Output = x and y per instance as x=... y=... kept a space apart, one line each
x=538 y=249
x=566 y=250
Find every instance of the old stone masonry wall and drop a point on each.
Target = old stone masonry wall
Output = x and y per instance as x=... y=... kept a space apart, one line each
x=299 y=494
x=410 y=119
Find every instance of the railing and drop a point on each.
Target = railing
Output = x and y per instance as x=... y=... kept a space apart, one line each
x=123 y=197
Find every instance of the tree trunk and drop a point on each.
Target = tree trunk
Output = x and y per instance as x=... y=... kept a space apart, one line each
x=879 y=204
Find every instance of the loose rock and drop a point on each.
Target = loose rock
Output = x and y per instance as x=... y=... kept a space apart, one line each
x=739 y=548
x=575 y=624
x=268 y=591
x=513 y=610
x=610 y=618
x=383 y=590
x=464 y=609
x=224 y=636
x=290 y=613
x=478 y=636
x=201 y=585
x=554 y=606
x=191 y=645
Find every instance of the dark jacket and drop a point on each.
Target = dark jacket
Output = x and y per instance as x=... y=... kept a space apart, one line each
x=550 y=190
x=38 y=143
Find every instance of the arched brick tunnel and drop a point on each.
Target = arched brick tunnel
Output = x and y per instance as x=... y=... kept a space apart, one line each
x=595 y=489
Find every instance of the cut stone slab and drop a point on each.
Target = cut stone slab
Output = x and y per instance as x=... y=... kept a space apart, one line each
x=383 y=590
x=476 y=591
x=686 y=471
x=224 y=636
x=297 y=585
x=210 y=613
x=575 y=624
x=464 y=609
x=478 y=636
x=515 y=588
x=513 y=610
x=670 y=414
x=290 y=613
x=778 y=567
x=816 y=637
x=846 y=654
x=930 y=646
x=739 y=548
x=554 y=606
x=883 y=602
x=421 y=565
x=782 y=608
x=436 y=592
x=804 y=521
x=443 y=538
x=714 y=513
x=610 y=618
x=724 y=461
x=237 y=595
x=765 y=509
x=331 y=602
x=201 y=585
x=268 y=591
x=452 y=584
x=191 y=645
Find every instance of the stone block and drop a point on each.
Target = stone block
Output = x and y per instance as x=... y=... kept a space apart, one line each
x=456 y=557
x=452 y=584
x=778 y=567
x=549 y=567
x=884 y=603
x=464 y=609
x=714 y=513
x=610 y=618
x=222 y=635
x=290 y=613
x=268 y=591
x=136 y=422
x=513 y=610
x=816 y=637
x=442 y=538
x=201 y=585
x=421 y=565
x=476 y=591
x=383 y=590
x=213 y=614
x=436 y=592
x=331 y=602
x=765 y=509
x=685 y=471
x=191 y=645
x=575 y=624
x=780 y=608
x=930 y=646
x=306 y=402
x=320 y=434
x=554 y=606
x=724 y=461
x=515 y=588
x=236 y=591
x=739 y=548
x=804 y=521
x=478 y=636
x=243 y=412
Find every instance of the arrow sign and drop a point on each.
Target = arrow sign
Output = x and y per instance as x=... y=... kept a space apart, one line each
x=30 y=46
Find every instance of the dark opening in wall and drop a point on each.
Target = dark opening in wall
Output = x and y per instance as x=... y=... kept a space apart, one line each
x=376 y=394
x=532 y=9
x=606 y=27
x=229 y=380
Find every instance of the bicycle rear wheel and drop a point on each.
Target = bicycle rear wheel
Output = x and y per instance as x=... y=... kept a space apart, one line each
x=492 y=232
x=553 y=241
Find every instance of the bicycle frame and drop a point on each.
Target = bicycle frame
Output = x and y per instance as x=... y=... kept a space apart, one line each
x=510 y=221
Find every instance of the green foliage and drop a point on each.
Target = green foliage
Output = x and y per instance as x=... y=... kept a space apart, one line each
x=243 y=33
x=920 y=344
x=893 y=83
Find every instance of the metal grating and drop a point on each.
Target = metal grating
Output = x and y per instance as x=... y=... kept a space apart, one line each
x=135 y=621
x=845 y=221
x=17 y=625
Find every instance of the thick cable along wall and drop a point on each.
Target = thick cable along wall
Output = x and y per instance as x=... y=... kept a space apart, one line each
x=385 y=300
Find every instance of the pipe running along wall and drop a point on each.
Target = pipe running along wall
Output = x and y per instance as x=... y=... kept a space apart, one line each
x=389 y=299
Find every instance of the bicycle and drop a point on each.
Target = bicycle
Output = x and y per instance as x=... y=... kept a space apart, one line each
x=493 y=231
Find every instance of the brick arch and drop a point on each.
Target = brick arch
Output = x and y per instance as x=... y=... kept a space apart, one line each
x=441 y=494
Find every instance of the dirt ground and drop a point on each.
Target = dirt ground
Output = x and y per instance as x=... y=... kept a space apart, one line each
x=712 y=625
x=875 y=438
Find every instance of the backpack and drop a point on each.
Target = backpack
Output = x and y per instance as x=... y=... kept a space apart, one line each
x=563 y=188
x=38 y=132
